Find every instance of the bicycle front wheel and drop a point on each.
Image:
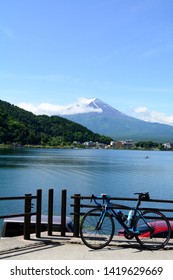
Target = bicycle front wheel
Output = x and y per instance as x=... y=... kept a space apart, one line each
x=154 y=230
x=97 y=229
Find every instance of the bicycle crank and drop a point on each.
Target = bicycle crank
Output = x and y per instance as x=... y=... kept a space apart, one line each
x=128 y=235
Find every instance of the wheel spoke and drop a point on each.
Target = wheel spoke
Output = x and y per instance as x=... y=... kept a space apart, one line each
x=94 y=233
x=155 y=233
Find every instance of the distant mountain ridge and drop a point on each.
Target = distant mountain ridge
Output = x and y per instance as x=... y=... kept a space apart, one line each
x=113 y=123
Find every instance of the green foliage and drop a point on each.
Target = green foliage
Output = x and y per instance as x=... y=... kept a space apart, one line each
x=23 y=127
x=148 y=145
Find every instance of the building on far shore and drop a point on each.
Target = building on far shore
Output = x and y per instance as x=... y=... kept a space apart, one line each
x=168 y=145
x=123 y=144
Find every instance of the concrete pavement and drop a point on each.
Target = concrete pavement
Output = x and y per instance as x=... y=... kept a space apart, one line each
x=70 y=248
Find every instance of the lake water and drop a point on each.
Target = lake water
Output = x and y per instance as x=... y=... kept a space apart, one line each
x=115 y=172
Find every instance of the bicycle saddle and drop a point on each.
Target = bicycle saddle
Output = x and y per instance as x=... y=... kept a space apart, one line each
x=143 y=196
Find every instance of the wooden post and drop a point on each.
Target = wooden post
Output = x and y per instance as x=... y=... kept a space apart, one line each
x=63 y=212
x=50 y=211
x=27 y=216
x=76 y=215
x=38 y=215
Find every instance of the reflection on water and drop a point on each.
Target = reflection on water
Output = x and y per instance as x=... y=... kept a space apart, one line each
x=118 y=173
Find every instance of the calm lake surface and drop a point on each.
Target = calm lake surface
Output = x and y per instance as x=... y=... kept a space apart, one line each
x=115 y=172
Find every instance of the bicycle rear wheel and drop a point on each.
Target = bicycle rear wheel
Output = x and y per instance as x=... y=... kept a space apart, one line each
x=156 y=233
x=97 y=230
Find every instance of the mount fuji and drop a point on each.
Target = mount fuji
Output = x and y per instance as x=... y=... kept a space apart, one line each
x=102 y=118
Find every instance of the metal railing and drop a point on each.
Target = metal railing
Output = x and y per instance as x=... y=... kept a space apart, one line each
x=78 y=205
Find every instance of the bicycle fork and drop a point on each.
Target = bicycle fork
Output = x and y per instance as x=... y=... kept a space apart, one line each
x=100 y=221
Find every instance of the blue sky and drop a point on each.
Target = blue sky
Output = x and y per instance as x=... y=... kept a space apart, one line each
x=53 y=52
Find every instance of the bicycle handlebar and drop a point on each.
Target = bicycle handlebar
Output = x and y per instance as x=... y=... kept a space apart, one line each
x=106 y=198
x=103 y=196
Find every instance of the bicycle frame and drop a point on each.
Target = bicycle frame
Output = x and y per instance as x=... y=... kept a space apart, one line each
x=97 y=226
x=108 y=207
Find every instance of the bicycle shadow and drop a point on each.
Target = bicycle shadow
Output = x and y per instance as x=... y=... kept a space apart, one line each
x=117 y=245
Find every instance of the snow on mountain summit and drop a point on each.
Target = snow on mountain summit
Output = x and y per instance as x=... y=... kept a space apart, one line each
x=91 y=105
x=104 y=107
x=83 y=105
x=85 y=101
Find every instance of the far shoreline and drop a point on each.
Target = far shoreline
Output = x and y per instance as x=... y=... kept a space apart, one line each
x=73 y=147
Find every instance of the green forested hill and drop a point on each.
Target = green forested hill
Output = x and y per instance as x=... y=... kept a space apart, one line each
x=18 y=125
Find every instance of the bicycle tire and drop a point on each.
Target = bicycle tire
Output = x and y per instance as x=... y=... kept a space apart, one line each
x=96 y=238
x=161 y=230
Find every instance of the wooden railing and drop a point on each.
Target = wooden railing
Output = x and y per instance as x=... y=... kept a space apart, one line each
x=80 y=206
x=27 y=213
x=28 y=198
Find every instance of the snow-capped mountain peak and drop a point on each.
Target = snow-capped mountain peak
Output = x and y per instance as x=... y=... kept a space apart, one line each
x=83 y=105
x=102 y=106
x=91 y=105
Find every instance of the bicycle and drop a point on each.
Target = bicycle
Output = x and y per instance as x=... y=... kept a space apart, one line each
x=151 y=228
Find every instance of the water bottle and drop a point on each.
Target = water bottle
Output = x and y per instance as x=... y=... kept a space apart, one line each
x=121 y=216
x=129 y=218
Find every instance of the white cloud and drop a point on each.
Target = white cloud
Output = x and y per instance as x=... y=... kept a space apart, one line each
x=140 y=110
x=145 y=114
x=81 y=106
